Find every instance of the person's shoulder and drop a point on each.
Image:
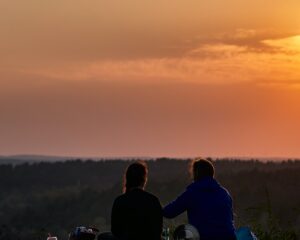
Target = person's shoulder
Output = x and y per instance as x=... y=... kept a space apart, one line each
x=151 y=196
x=120 y=198
x=225 y=191
x=192 y=186
x=226 y=194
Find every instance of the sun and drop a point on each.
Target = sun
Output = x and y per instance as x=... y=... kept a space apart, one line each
x=289 y=44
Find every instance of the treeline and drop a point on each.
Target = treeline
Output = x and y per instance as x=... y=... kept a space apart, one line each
x=38 y=198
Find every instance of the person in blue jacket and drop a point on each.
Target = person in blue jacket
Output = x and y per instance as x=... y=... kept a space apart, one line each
x=208 y=204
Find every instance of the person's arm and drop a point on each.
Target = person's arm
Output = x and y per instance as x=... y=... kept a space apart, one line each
x=157 y=220
x=178 y=206
x=116 y=228
x=160 y=219
x=231 y=206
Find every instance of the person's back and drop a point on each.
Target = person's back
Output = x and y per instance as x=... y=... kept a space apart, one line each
x=210 y=209
x=137 y=215
x=208 y=205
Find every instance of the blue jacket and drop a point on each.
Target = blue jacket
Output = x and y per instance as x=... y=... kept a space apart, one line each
x=209 y=209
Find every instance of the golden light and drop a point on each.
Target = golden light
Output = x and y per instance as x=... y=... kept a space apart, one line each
x=290 y=44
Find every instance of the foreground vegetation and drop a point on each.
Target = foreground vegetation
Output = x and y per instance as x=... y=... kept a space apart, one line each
x=56 y=197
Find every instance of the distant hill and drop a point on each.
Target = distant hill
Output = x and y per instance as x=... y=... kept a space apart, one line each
x=18 y=159
x=22 y=158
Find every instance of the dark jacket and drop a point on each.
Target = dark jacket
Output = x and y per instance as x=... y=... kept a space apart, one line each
x=209 y=209
x=137 y=215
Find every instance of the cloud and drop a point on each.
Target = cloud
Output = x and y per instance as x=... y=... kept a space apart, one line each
x=210 y=63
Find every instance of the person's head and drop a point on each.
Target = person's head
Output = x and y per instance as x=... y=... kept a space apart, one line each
x=201 y=168
x=135 y=176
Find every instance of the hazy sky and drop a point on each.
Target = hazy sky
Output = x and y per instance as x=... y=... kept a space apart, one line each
x=150 y=78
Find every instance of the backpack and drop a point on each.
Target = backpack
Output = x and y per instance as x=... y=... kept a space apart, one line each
x=244 y=233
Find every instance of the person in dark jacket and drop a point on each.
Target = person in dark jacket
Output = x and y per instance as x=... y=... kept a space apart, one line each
x=208 y=204
x=136 y=214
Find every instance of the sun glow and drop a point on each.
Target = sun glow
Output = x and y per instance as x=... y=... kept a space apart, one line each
x=290 y=44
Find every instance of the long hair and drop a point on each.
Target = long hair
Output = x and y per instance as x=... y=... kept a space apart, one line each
x=135 y=176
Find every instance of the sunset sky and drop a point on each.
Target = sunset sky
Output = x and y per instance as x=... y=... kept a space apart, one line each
x=150 y=78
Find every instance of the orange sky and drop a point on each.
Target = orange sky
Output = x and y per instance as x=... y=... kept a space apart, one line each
x=150 y=78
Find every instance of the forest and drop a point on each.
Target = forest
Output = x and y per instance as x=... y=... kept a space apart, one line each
x=37 y=198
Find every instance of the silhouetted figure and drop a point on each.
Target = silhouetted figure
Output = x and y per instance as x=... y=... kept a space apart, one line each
x=208 y=204
x=136 y=214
